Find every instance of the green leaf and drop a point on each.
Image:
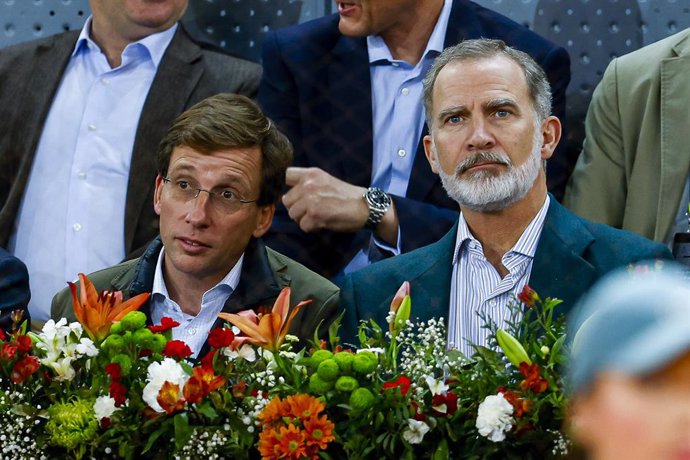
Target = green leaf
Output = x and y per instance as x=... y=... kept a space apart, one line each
x=182 y=430
x=207 y=410
x=441 y=452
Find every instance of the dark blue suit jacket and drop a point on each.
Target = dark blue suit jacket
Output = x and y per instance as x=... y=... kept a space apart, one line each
x=14 y=289
x=571 y=255
x=316 y=87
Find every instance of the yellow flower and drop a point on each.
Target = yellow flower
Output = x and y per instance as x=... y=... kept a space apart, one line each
x=95 y=312
x=268 y=330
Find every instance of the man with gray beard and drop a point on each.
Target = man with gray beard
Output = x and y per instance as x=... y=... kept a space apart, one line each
x=488 y=111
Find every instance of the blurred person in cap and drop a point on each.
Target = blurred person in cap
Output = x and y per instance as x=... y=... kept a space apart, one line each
x=630 y=369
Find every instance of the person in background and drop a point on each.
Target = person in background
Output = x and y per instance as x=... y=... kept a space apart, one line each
x=14 y=290
x=634 y=169
x=346 y=90
x=83 y=113
x=488 y=109
x=629 y=373
x=221 y=168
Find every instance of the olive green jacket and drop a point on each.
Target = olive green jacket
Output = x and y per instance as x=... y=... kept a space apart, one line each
x=265 y=273
x=635 y=159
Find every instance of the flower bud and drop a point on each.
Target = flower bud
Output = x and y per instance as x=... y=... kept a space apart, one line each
x=544 y=350
x=513 y=349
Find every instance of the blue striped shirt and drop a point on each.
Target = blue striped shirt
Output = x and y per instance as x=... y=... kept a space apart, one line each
x=193 y=329
x=477 y=287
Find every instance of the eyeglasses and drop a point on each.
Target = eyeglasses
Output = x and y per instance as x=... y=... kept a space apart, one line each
x=184 y=190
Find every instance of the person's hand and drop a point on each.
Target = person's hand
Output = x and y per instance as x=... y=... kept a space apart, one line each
x=319 y=201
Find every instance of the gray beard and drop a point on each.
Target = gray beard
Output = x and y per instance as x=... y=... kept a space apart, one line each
x=483 y=191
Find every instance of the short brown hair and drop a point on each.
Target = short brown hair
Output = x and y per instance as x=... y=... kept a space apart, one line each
x=228 y=121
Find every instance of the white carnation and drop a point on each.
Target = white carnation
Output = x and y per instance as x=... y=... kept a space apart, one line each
x=415 y=431
x=494 y=417
x=104 y=407
x=168 y=370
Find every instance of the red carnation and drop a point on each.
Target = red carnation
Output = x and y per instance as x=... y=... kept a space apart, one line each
x=401 y=382
x=2 y=335
x=114 y=370
x=220 y=337
x=119 y=393
x=177 y=349
x=167 y=323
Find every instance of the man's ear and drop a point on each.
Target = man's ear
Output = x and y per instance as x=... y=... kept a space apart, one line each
x=157 y=194
x=551 y=134
x=430 y=152
x=264 y=220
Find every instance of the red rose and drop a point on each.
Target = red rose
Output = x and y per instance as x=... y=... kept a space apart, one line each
x=220 y=337
x=167 y=323
x=401 y=382
x=177 y=349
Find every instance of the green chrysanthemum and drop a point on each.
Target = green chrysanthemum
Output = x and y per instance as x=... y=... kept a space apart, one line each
x=72 y=424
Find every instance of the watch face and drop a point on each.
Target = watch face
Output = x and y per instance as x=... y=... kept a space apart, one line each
x=378 y=198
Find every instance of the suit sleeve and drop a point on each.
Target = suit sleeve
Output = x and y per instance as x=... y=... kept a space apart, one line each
x=14 y=289
x=598 y=188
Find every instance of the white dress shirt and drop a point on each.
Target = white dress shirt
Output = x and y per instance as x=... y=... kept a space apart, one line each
x=193 y=330
x=72 y=216
x=476 y=287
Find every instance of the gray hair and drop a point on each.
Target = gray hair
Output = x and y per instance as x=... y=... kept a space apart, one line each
x=537 y=83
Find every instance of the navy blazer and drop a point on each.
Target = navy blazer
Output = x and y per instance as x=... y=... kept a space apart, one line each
x=14 y=289
x=316 y=87
x=571 y=255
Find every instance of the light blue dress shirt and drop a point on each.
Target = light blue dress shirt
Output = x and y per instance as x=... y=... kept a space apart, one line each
x=71 y=218
x=476 y=287
x=398 y=116
x=193 y=330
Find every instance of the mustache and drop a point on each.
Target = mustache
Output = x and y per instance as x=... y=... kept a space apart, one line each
x=482 y=157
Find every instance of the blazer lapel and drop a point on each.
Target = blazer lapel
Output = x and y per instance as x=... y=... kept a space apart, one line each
x=177 y=76
x=47 y=66
x=675 y=120
x=350 y=100
x=558 y=269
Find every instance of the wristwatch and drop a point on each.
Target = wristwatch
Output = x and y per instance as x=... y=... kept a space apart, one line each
x=378 y=202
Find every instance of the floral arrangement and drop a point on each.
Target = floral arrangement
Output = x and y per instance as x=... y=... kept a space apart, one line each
x=111 y=386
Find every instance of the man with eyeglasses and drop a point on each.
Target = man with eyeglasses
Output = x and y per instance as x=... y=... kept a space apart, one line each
x=221 y=169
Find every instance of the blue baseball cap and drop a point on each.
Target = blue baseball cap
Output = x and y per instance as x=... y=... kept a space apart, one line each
x=631 y=322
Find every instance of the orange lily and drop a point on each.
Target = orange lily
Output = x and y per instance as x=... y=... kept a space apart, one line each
x=268 y=330
x=95 y=312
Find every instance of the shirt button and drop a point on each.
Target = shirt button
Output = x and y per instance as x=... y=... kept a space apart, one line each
x=405 y=91
x=395 y=64
x=191 y=331
x=76 y=227
x=105 y=81
x=492 y=303
x=81 y=175
x=92 y=127
x=402 y=153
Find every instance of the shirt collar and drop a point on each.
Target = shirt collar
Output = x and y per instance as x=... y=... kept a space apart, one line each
x=231 y=279
x=525 y=245
x=155 y=44
x=378 y=51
